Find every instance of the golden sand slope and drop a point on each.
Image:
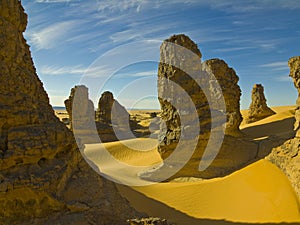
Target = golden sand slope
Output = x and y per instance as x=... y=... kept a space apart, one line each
x=259 y=192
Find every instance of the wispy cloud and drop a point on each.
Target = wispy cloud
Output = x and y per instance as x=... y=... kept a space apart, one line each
x=284 y=79
x=53 y=1
x=276 y=66
x=138 y=74
x=232 y=49
x=52 y=35
x=54 y=70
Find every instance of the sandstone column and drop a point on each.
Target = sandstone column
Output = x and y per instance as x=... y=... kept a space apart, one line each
x=258 y=108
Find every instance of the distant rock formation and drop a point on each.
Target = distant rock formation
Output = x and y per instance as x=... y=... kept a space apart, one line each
x=258 y=108
x=83 y=107
x=82 y=115
x=228 y=81
x=43 y=178
x=287 y=156
x=179 y=91
x=110 y=111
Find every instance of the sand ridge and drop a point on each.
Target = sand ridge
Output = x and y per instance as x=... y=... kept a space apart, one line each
x=259 y=192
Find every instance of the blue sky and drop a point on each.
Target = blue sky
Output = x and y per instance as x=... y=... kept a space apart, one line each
x=114 y=45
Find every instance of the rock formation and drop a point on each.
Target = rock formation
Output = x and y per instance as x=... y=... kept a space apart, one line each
x=258 y=108
x=82 y=115
x=110 y=111
x=43 y=178
x=83 y=107
x=194 y=84
x=294 y=64
x=287 y=156
x=114 y=122
x=228 y=81
x=148 y=221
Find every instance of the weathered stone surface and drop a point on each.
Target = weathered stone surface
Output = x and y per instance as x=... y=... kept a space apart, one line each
x=258 y=108
x=82 y=115
x=110 y=111
x=294 y=64
x=148 y=221
x=43 y=178
x=186 y=86
x=287 y=156
x=114 y=122
x=83 y=107
x=228 y=81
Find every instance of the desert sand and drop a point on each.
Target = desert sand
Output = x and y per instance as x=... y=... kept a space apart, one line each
x=258 y=193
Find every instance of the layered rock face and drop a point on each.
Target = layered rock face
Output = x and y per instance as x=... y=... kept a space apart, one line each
x=258 y=108
x=287 y=156
x=185 y=86
x=43 y=178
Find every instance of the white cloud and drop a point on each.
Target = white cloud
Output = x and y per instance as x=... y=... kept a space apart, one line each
x=284 y=79
x=139 y=74
x=52 y=70
x=53 y=1
x=276 y=66
x=232 y=49
x=52 y=35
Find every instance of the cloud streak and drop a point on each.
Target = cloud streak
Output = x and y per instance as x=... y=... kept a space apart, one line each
x=53 y=35
x=276 y=66
x=52 y=70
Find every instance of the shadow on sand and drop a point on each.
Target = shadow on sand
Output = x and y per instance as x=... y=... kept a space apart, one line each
x=155 y=208
x=277 y=128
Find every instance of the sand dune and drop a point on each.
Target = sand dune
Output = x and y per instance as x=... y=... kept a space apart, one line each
x=258 y=193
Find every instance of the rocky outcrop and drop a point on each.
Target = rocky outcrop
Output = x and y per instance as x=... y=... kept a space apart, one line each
x=43 y=178
x=82 y=115
x=114 y=122
x=287 y=156
x=258 y=108
x=294 y=64
x=228 y=81
x=83 y=107
x=110 y=111
x=148 y=221
x=190 y=94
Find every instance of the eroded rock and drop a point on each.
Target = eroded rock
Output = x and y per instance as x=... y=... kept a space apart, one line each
x=287 y=156
x=43 y=178
x=258 y=108
x=228 y=81
x=199 y=101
